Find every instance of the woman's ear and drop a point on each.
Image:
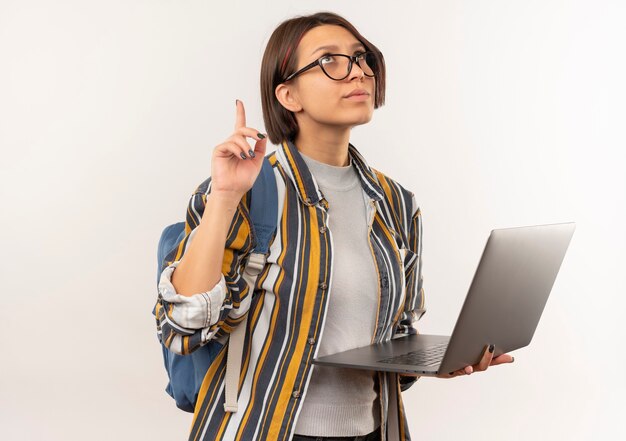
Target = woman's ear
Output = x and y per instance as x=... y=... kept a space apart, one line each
x=286 y=98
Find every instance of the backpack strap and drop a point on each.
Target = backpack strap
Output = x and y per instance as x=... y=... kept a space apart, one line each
x=264 y=207
x=263 y=212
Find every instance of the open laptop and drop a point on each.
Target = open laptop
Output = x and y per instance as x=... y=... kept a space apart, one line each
x=503 y=306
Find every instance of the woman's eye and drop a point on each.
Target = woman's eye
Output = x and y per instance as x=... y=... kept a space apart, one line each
x=326 y=58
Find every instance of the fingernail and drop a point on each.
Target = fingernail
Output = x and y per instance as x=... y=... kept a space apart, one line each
x=236 y=102
x=512 y=359
x=251 y=152
x=243 y=155
x=260 y=135
x=491 y=348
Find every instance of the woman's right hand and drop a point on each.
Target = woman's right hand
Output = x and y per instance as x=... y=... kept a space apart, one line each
x=234 y=166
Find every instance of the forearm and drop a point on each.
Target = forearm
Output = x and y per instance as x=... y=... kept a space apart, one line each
x=201 y=265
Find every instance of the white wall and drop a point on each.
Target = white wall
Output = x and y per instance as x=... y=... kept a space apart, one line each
x=498 y=114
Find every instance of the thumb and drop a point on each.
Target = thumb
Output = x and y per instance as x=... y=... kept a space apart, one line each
x=259 y=150
x=486 y=359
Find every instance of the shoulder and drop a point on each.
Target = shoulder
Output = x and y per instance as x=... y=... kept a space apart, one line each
x=397 y=196
x=398 y=207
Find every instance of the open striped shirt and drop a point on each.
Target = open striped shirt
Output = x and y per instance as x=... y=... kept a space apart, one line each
x=286 y=314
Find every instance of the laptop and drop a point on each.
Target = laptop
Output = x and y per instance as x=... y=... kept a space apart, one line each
x=505 y=301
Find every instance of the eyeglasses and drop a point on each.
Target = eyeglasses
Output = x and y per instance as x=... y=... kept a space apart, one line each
x=338 y=66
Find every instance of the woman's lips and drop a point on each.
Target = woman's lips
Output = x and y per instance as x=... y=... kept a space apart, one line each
x=358 y=97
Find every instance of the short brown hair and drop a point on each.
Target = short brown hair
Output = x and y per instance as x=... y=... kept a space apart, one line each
x=278 y=61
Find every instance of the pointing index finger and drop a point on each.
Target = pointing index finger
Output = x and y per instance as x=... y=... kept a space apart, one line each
x=240 y=120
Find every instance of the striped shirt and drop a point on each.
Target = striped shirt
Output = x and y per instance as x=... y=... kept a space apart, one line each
x=286 y=314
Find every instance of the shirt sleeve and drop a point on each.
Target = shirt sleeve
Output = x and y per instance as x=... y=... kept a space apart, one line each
x=414 y=301
x=185 y=323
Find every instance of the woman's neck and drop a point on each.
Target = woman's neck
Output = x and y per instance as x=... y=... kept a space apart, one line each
x=328 y=145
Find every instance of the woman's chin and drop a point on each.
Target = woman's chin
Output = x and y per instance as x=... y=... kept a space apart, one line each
x=364 y=119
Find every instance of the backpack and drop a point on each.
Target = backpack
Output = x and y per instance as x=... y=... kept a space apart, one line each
x=186 y=372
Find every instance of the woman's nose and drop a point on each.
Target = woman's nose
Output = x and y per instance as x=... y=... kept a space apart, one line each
x=356 y=70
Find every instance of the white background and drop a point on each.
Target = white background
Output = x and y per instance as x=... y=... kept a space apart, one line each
x=498 y=114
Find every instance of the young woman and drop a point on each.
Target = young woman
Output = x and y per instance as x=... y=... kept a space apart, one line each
x=344 y=268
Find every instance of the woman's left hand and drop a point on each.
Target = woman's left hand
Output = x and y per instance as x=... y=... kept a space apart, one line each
x=486 y=361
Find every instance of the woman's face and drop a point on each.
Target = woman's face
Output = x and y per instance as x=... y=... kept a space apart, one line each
x=316 y=97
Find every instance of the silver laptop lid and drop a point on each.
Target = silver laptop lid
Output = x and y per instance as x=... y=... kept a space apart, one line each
x=509 y=291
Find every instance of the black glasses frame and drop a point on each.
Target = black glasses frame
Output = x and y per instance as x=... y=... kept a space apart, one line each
x=351 y=58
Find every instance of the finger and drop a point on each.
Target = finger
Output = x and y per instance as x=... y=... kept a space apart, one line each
x=457 y=373
x=248 y=132
x=244 y=147
x=486 y=359
x=259 y=149
x=229 y=148
x=258 y=154
x=241 y=136
x=240 y=120
x=500 y=359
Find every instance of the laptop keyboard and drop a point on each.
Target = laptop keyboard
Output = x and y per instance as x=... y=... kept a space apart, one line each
x=423 y=357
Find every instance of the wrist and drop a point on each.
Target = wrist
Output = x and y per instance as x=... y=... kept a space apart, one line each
x=224 y=201
x=219 y=211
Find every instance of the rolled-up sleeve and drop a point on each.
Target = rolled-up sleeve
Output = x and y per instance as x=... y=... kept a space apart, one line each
x=185 y=323
x=192 y=312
